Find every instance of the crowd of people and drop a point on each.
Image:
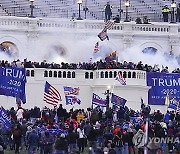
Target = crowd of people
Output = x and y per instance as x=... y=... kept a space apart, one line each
x=89 y=65
x=117 y=130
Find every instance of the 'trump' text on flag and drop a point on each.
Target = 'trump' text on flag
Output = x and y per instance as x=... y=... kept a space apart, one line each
x=97 y=100
x=4 y=118
x=12 y=82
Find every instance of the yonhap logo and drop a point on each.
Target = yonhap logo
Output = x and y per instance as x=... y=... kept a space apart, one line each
x=166 y=140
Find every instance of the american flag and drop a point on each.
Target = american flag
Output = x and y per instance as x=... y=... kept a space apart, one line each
x=51 y=95
x=120 y=79
x=103 y=35
x=96 y=47
x=71 y=91
x=109 y=24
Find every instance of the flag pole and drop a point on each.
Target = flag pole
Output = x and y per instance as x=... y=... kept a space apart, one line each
x=146 y=136
x=167 y=101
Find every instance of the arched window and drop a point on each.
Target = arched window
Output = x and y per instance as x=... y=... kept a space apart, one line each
x=91 y=75
x=110 y=74
x=102 y=74
x=45 y=73
x=150 y=50
x=32 y=73
x=59 y=74
x=55 y=74
x=9 y=48
x=87 y=75
x=134 y=75
x=68 y=74
x=106 y=74
x=115 y=74
x=124 y=74
x=27 y=73
x=73 y=74
x=50 y=73
x=64 y=74
x=129 y=74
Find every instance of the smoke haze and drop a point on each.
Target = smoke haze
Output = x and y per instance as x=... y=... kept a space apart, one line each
x=68 y=49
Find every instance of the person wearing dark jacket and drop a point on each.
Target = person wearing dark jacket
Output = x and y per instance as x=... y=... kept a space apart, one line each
x=118 y=142
x=92 y=138
x=72 y=140
x=116 y=19
x=2 y=145
x=17 y=134
x=48 y=143
x=165 y=11
x=125 y=139
x=61 y=113
x=108 y=11
x=33 y=142
x=61 y=145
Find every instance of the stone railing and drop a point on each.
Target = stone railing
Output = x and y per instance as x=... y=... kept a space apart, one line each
x=87 y=74
x=40 y=23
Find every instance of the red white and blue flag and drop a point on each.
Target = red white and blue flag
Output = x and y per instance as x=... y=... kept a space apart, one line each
x=51 y=95
x=97 y=100
x=71 y=91
x=103 y=34
x=71 y=95
x=72 y=100
x=117 y=100
x=120 y=79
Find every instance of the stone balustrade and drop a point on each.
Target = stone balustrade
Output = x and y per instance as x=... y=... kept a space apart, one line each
x=132 y=76
x=41 y=23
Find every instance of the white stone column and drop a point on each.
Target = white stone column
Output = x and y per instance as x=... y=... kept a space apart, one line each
x=127 y=34
x=174 y=39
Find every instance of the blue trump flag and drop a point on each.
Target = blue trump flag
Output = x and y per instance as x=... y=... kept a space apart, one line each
x=118 y=101
x=4 y=118
x=162 y=84
x=12 y=82
x=98 y=100
x=173 y=104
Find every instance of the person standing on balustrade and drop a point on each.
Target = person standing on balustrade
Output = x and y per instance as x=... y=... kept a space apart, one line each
x=165 y=11
x=108 y=11
x=178 y=13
